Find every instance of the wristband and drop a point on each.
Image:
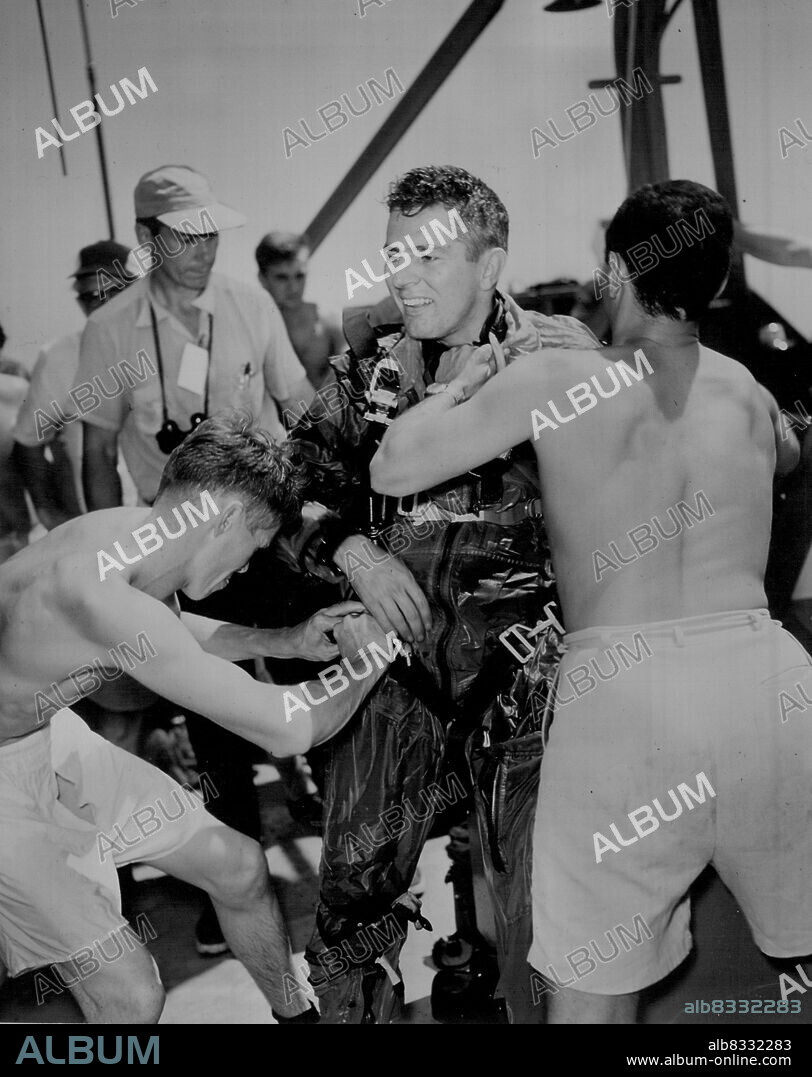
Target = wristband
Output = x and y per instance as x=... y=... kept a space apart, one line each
x=322 y=547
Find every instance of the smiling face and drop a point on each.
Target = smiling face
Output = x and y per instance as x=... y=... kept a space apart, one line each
x=440 y=293
x=226 y=549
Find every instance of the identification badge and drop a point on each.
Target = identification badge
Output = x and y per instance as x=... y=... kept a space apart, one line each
x=194 y=365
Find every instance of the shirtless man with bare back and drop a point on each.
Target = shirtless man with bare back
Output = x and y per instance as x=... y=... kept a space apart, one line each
x=656 y=461
x=100 y=589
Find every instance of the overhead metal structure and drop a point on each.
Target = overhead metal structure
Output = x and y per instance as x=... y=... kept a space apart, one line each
x=712 y=67
x=91 y=79
x=468 y=28
x=638 y=33
x=736 y=321
x=46 y=48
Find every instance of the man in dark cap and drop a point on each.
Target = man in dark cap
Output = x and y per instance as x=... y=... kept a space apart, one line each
x=48 y=432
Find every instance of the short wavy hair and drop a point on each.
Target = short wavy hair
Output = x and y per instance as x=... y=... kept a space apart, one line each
x=481 y=210
x=690 y=270
x=230 y=454
x=279 y=247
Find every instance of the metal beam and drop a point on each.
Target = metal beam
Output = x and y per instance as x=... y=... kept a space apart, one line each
x=91 y=78
x=712 y=67
x=456 y=44
x=51 y=84
x=638 y=33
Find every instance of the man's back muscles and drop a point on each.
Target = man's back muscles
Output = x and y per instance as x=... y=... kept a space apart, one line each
x=658 y=498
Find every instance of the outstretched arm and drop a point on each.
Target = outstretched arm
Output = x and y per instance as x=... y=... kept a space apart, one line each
x=440 y=439
x=781 y=250
x=309 y=640
x=282 y=720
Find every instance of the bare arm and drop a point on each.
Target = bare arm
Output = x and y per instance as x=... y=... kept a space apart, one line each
x=307 y=640
x=769 y=247
x=787 y=448
x=436 y=441
x=386 y=586
x=100 y=480
x=279 y=719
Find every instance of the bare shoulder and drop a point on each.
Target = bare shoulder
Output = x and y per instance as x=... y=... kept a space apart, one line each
x=47 y=595
x=732 y=377
x=64 y=567
x=559 y=365
x=75 y=594
x=725 y=365
x=550 y=375
x=114 y=612
x=76 y=545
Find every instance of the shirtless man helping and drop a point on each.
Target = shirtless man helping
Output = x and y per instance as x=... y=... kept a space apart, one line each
x=100 y=589
x=656 y=460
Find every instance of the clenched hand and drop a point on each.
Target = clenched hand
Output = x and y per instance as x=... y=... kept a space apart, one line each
x=355 y=633
x=386 y=587
x=482 y=364
x=312 y=639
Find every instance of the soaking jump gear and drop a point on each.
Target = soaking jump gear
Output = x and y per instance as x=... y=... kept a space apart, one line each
x=477 y=547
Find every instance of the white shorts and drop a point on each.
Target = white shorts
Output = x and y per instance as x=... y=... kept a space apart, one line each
x=697 y=750
x=73 y=808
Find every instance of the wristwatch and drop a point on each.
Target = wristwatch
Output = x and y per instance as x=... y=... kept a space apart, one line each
x=457 y=394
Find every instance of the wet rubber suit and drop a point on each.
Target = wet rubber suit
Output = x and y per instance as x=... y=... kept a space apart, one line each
x=478 y=549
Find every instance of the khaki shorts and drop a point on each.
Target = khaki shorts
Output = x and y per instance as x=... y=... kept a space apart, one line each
x=707 y=725
x=73 y=808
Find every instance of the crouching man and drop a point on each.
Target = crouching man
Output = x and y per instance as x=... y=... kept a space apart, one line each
x=100 y=591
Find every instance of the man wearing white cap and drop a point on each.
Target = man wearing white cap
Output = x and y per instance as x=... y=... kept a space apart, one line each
x=197 y=343
x=213 y=342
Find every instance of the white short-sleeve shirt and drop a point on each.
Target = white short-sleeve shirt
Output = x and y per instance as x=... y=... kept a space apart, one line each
x=252 y=364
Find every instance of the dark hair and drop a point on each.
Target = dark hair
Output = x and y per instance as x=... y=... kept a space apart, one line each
x=482 y=211
x=229 y=454
x=152 y=223
x=689 y=230
x=155 y=225
x=279 y=247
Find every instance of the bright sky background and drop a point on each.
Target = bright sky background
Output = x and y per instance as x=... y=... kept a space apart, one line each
x=231 y=74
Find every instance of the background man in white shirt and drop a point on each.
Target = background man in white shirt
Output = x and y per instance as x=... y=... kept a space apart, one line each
x=48 y=423
x=213 y=343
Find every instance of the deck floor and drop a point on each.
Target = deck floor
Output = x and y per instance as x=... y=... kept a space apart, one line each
x=725 y=962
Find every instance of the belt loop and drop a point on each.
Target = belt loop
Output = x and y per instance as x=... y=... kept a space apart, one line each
x=679 y=636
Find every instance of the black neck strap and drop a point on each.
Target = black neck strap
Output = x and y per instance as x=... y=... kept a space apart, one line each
x=159 y=356
x=495 y=323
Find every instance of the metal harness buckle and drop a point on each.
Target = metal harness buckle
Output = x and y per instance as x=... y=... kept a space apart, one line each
x=526 y=635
